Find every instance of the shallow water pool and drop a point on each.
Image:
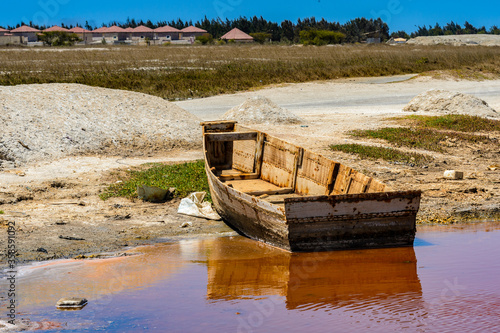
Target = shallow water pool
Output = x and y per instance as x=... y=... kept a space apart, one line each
x=448 y=282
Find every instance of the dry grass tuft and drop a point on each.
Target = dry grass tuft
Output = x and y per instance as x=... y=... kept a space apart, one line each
x=180 y=72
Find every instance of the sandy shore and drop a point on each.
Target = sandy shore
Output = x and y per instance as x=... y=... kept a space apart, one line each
x=53 y=201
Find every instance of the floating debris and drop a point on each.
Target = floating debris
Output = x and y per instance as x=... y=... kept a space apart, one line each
x=71 y=303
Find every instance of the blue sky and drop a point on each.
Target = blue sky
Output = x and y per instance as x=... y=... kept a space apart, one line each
x=399 y=14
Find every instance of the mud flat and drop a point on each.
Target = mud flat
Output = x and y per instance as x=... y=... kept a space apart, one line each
x=57 y=211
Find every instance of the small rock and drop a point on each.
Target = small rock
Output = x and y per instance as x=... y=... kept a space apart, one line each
x=70 y=237
x=121 y=217
x=186 y=224
x=453 y=174
x=154 y=194
x=41 y=249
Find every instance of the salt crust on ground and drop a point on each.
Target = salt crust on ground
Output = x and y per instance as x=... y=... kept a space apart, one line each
x=261 y=110
x=49 y=121
x=457 y=40
x=448 y=102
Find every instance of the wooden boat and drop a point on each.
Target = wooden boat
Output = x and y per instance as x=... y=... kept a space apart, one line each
x=286 y=196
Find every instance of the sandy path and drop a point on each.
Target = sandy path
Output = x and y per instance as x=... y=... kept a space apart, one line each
x=357 y=96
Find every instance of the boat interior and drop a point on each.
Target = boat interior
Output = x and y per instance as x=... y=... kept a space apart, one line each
x=271 y=169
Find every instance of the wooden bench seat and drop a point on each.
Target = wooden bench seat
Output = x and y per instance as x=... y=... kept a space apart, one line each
x=257 y=187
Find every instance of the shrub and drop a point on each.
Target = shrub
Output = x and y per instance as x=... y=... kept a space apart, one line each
x=58 y=38
x=321 y=37
x=261 y=37
x=205 y=39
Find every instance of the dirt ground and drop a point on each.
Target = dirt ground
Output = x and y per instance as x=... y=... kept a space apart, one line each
x=58 y=213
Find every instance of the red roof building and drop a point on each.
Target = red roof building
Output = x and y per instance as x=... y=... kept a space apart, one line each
x=114 y=29
x=192 y=32
x=192 y=29
x=100 y=30
x=142 y=29
x=238 y=36
x=25 y=28
x=29 y=34
x=79 y=30
x=56 y=28
x=167 y=34
x=167 y=28
x=4 y=32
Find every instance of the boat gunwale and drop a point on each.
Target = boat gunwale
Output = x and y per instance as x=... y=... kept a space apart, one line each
x=379 y=196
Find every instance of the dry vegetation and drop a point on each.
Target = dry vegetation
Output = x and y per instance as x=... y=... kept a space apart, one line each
x=175 y=72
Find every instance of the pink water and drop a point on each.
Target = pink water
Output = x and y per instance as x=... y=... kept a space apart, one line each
x=448 y=282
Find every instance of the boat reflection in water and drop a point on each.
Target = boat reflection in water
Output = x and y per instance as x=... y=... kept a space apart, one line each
x=217 y=279
x=231 y=284
x=245 y=269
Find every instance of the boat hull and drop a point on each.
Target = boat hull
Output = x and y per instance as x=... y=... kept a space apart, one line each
x=321 y=223
x=251 y=217
x=324 y=205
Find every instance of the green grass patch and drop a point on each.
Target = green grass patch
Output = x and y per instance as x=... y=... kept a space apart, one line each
x=387 y=154
x=421 y=138
x=2 y=212
x=186 y=178
x=460 y=123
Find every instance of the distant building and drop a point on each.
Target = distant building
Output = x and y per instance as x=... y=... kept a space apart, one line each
x=192 y=32
x=56 y=28
x=238 y=36
x=9 y=39
x=141 y=33
x=393 y=41
x=29 y=33
x=111 y=35
x=84 y=34
x=167 y=34
x=373 y=40
x=3 y=31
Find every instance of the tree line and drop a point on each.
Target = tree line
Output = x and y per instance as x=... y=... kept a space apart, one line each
x=356 y=30
x=353 y=31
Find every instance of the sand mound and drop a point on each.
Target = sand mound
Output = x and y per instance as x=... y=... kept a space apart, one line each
x=47 y=121
x=457 y=40
x=261 y=110
x=448 y=102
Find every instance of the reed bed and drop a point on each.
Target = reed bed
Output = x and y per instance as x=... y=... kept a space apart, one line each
x=180 y=72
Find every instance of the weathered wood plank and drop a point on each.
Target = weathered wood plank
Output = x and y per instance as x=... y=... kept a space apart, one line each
x=218 y=126
x=283 y=190
x=315 y=174
x=259 y=151
x=241 y=176
x=278 y=163
x=231 y=136
x=244 y=155
x=351 y=206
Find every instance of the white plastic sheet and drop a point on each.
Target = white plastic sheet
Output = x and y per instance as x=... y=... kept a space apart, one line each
x=193 y=205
